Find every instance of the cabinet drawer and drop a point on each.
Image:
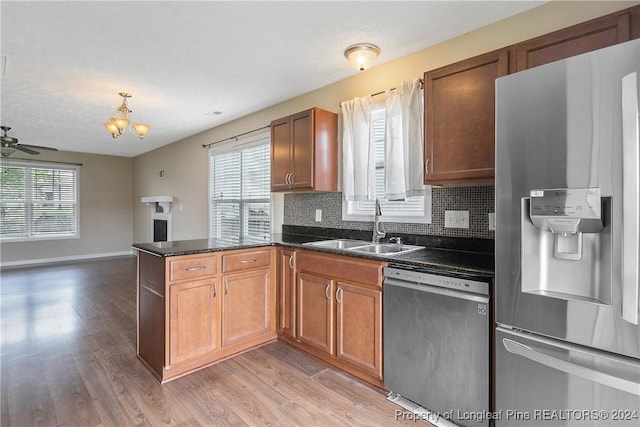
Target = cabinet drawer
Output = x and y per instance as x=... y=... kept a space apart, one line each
x=341 y=268
x=192 y=267
x=246 y=260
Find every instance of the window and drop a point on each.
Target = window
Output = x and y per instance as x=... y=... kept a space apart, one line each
x=38 y=201
x=240 y=198
x=413 y=209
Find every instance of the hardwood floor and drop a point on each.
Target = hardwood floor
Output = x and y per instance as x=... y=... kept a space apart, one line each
x=68 y=359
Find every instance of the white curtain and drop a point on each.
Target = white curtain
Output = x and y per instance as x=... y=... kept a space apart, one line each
x=358 y=163
x=404 y=143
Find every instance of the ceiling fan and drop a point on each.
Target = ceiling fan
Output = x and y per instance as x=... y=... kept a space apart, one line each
x=10 y=145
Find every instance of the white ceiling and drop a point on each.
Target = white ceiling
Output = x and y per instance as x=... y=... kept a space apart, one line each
x=67 y=61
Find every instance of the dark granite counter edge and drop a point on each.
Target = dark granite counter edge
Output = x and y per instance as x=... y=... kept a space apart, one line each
x=150 y=249
x=454 y=258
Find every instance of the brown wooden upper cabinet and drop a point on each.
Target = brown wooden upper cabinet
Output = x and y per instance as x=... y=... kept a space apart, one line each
x=459 y=119
x=460 y=97
x=575 y=40
x=304 y=151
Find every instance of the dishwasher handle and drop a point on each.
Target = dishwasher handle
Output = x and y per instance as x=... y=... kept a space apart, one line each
x=423 y=287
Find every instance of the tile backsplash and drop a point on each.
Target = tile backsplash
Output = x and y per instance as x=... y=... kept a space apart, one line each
x=300 y=210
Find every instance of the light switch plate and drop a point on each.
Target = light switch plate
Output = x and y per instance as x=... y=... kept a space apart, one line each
x=456 y=219
x=318 y=215
x=492 y=221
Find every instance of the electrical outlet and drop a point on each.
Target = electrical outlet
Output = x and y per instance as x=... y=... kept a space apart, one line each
x=456 y=219
x=492 y=221
x=318 y=215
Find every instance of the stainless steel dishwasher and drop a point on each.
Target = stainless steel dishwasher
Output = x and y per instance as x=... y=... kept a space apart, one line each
x=437 y=344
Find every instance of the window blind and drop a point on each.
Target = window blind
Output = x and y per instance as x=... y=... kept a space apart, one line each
x=240 y=197
x=38 y=201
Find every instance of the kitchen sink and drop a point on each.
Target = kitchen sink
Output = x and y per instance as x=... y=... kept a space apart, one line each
x=380 y=249
x=338 y=243
x=386 y=249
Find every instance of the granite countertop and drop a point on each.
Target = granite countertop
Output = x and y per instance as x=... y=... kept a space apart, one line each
x=457 y=256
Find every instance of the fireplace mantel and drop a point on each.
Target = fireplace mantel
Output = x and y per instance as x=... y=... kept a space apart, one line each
x=162 y=201
x=160 y=207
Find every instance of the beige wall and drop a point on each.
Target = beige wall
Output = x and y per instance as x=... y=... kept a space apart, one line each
x=186 y=161
x=111 y=214
x=106 y=213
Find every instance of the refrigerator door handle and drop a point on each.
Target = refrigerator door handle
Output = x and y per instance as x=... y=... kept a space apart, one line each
x=530 y=353
x=631 y=197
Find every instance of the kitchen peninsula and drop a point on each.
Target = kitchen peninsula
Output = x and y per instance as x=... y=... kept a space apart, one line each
x=202 y=301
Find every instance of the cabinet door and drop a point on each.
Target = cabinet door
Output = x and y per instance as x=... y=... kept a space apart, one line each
x=247 y=306
x=286 y=293
x=280 y=154
x=302 y=149
x=315 y=312
x=151 y=328
x=575 y=40
x=194 y=320
x=359 y=327
x=460 y=119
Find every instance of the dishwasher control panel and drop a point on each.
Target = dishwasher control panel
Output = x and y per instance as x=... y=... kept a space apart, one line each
x=419 y=276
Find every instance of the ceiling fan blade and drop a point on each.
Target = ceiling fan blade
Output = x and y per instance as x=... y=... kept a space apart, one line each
x=25 y=149
x=39 y=147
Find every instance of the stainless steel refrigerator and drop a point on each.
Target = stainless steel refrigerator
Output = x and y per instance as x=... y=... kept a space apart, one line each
x=567 y=242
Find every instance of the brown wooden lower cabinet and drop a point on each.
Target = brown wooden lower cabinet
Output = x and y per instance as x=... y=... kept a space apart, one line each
x=210 y=307
x=316 y=312
x=339 y=312
x=248 y=306
x=196 y=310
x=359 y=327
x=193 y=319
x=286 y=306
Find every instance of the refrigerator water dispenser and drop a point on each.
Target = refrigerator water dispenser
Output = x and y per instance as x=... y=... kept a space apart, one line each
x=566 y=244
x=567 y=213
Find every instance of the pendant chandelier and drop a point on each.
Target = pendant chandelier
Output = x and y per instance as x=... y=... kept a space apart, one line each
x=117 y=125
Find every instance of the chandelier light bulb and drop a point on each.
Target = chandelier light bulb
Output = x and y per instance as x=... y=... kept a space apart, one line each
x=117 y=125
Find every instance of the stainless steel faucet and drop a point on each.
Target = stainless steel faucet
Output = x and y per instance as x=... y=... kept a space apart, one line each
x=378 y=227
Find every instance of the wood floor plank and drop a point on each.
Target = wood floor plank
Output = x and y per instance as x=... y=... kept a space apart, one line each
x=201 y=403
x=29 y=402
x=139 y=388
x=239 y=398
x=68 y=359
x=295 y=384
x=106 y=396
x=72 y=402
x=295 y=359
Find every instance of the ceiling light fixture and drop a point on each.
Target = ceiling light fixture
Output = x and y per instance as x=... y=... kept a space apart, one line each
x=117 y=125
x=362 y=55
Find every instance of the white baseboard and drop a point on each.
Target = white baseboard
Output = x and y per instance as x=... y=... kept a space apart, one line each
x=64 y=258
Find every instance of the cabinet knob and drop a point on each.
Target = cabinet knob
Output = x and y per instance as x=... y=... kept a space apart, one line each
x=339 y=295
x=215 y=290
x=291 y=262
x=426 y=166
x=326 y=291
x=247 y=261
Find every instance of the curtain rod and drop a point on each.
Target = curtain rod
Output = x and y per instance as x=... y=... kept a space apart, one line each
x=383 y=91
x=235 y=137
x=42 y=161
